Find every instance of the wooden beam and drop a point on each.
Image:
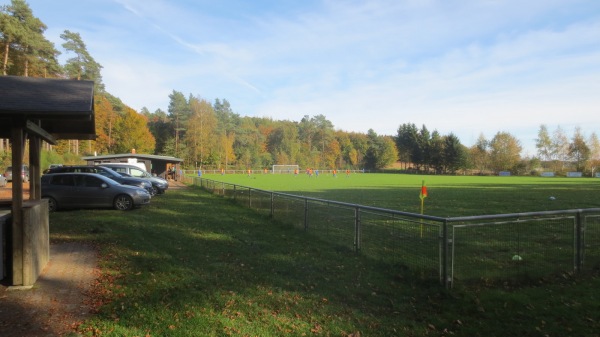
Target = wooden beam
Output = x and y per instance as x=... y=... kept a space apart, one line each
x=18 y=147
x=35 y=169
x=34 y=129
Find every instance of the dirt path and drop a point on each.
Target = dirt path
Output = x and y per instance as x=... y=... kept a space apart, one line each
x=58 y=301
x=6 y=192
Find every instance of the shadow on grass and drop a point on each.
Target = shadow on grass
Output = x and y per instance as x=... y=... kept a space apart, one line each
x=195 y=264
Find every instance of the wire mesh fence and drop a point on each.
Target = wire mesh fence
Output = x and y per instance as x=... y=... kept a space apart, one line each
x=492 y=248
x=288 y=209
x=404 y=242
x=591 y=243
x=499 y=250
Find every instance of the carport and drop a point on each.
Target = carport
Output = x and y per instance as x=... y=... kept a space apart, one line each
x=155 y=164
x=33 y=110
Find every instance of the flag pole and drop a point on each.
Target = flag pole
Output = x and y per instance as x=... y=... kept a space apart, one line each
x=422 y=196
x=422 y=218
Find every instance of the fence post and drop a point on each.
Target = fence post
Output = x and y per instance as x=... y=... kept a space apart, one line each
x=305 y=214
x=446 y=280
x=249 y=198
x=272 y=205
x=357 y=236
x=234 y=192
x=579 y=237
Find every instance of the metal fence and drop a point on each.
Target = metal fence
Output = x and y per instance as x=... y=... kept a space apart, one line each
x=492 y=248
x=199 y=173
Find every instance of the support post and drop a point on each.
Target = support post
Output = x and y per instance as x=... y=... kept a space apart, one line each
x=18 y=146
x=579 y=238
x=357 y=229
x=249 y=198
x=445 y=243
x=35 y=169
x=272 y=205
x=305 y=214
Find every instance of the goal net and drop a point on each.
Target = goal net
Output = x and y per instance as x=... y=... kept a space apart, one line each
x=285 y=168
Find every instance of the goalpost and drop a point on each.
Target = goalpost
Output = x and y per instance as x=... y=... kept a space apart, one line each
x=285 y=168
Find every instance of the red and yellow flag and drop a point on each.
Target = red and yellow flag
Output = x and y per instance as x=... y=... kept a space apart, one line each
x=423 y=194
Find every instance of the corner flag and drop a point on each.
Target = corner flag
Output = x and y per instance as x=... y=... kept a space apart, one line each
x=423 y=194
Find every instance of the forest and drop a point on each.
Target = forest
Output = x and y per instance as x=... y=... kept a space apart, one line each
x=210 y=134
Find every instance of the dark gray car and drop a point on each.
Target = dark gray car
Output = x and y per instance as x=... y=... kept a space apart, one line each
x=160 y=185
x=90 y=190
x=107 y=172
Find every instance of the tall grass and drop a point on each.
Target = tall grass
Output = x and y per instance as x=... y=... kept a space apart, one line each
x=193 y=264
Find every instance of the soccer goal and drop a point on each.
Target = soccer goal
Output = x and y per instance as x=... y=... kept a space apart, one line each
x=285 y=168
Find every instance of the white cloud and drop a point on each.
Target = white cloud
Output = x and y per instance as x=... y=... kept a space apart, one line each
x=465 y=67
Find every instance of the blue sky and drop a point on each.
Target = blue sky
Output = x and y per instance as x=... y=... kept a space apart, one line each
x=467 y=67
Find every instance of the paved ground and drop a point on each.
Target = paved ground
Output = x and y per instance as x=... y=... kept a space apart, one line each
x=6 y=191
x=58 y=301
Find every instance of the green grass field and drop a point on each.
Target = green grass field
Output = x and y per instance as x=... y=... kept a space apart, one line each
x=483 y=249
x=196 y=264
x=448 y=195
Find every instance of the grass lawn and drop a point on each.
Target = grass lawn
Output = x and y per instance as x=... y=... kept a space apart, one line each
x=194 y=264
x=448 y=195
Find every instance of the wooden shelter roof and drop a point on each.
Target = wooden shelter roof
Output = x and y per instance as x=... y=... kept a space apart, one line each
x=168 y=159
x=62 y=108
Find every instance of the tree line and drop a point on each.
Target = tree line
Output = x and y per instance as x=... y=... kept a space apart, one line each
x=211 y=135
x=27 y=52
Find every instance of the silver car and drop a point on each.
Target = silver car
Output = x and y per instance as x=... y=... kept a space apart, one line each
x=105 y=171
x=2 y=180
x=8 y=173
x=90 y=190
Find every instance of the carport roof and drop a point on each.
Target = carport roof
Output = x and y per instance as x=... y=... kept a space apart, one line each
x=134 y=155
x=62 y=108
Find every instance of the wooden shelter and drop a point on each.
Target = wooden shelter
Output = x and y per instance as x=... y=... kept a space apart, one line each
x=155 y=164
x=32 y=110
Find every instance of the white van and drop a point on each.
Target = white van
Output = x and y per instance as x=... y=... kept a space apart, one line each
x=136 y=163
x=126 y=168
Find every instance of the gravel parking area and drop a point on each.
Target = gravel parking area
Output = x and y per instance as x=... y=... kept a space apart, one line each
x=6 y=192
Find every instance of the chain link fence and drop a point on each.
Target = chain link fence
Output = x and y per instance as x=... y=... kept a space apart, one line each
x=459 y=250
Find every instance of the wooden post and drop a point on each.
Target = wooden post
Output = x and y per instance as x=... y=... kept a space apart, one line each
x=35 y=170
x=17 y=204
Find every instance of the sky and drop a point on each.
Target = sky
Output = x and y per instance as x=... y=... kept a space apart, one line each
x=467 y=67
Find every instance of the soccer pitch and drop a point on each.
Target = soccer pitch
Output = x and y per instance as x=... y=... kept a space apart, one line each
x=447 y=195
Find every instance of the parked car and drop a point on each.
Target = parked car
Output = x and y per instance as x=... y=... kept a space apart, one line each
x=2 y=180
x=107 y=172
x=51 y=167
x=90 y=190
x=8 y=173
x=159 y=184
